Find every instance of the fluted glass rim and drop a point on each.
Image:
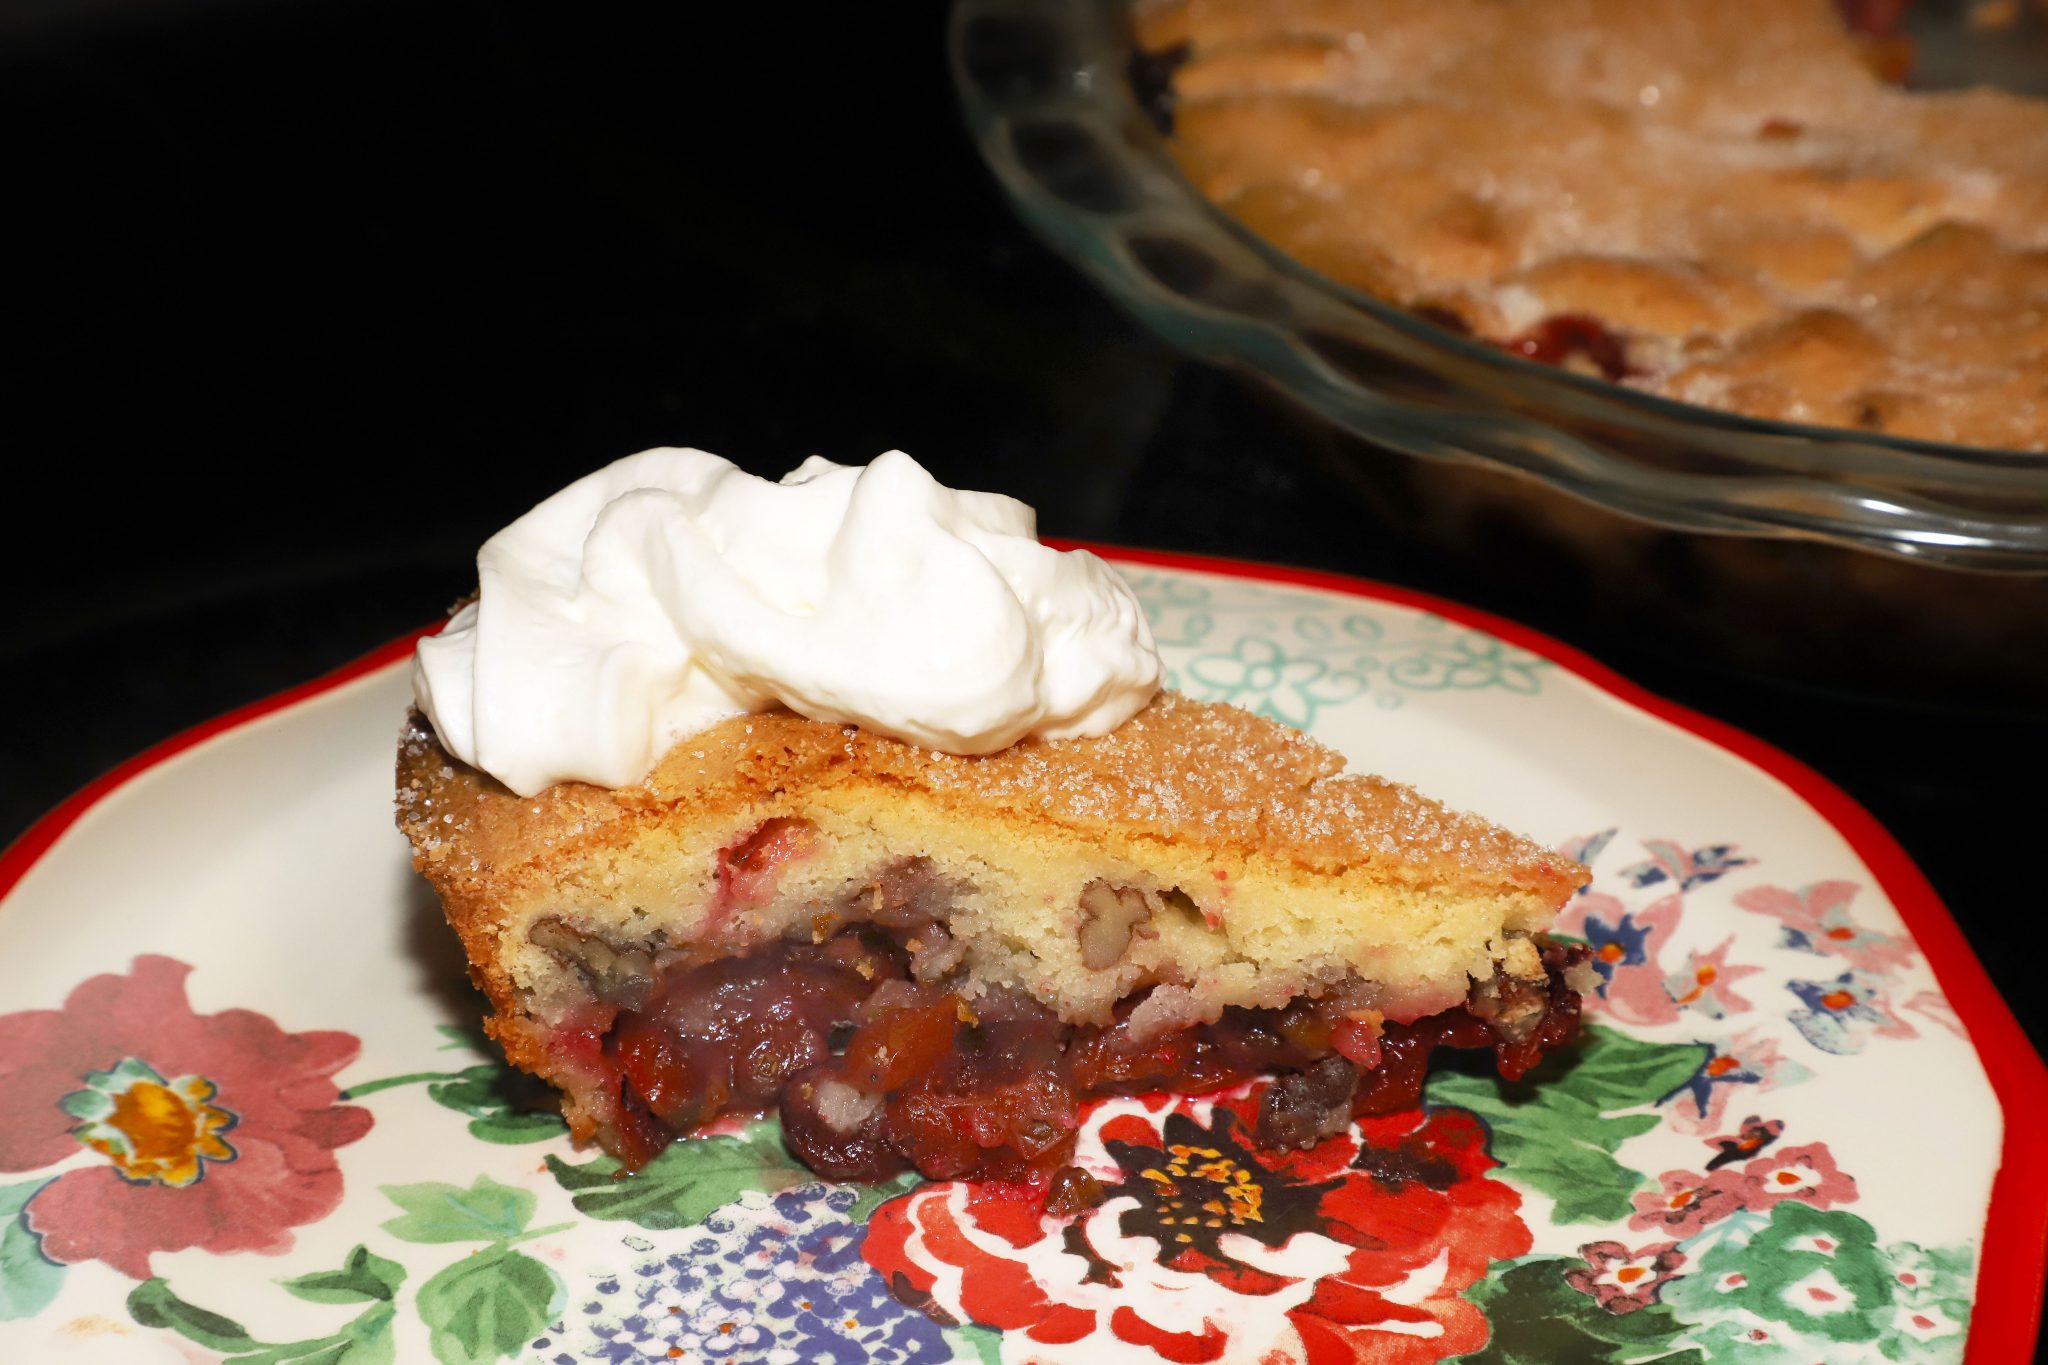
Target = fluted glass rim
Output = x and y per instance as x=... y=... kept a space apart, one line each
x=1047 y=91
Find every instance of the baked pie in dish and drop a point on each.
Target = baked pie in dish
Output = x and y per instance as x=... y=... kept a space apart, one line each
x=1731 y=205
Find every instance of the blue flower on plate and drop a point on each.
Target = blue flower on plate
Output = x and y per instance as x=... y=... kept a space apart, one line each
x=1621 y=944
x=778 y=1280
x=1716 y=1068
x=1688 y=868
x=1839 y=1014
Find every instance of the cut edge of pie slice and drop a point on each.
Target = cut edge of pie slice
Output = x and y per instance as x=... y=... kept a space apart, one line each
x=927 y=960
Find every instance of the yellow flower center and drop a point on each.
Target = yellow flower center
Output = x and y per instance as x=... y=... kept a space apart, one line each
x=1233 y=1197
x=153 y=1129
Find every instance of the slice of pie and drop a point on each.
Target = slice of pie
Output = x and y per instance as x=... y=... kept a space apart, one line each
x=924 y=960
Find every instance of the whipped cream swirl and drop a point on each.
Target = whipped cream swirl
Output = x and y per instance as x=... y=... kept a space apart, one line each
x=672 y=590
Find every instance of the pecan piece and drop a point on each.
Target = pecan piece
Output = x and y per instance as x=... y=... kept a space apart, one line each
x=1109 y=916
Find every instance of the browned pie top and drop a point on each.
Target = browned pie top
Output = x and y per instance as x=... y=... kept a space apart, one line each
x=1180 y=770
x=1771 y=227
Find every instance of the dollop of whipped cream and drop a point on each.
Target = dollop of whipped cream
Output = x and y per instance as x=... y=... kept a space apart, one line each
x=672 y=590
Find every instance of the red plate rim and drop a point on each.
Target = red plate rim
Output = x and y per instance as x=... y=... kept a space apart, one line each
x=2013 y=1258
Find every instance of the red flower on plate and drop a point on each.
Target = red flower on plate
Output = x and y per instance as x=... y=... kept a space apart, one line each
x=1686 y=1201
x=1807 y=1174
x=1622 y=1280
x=214 y=1131
x=1353 y=1251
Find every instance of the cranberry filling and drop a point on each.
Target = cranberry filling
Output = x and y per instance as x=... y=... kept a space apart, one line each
x=874 y=1071
x=747 y=871
x=1557 y=339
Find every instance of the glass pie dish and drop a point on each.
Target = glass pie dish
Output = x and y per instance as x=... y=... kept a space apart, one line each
x=1831 y=556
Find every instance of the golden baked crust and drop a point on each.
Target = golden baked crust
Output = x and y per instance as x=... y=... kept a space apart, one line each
x=1178 y=770
x=1265 y=871
x=1770 y=226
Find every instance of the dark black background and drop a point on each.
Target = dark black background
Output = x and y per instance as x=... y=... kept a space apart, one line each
x=310 y=297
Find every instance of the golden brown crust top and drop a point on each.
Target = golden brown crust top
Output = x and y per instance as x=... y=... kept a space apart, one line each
x=1180 y=771
x=1776 y=229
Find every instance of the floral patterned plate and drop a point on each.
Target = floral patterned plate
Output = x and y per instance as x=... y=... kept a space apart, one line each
x=244 y=1111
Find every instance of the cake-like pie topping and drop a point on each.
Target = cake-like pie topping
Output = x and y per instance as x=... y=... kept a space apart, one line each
x=1728 y=204
x=672 y=590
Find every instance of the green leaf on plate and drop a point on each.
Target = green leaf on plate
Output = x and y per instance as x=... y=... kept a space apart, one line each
x=511 y=1129
x=366 y=1341
x=505 y=1106
x=463 y=1035
x=488 y=1306
x=438 y=1212
x=28 y=1279
x=1557 y=1129
x=472 y=1090
x=868 y=1198
x=687 y=1181
x=325 y=1351
x=364 y=1277
x=369 y=1338
x=985 y=1342
x=1615 y=1071
x=154 y=1305
x=1538 y=1319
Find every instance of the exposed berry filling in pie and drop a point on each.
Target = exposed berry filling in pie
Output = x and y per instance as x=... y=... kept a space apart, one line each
x=879 y=1059
x=929 y=962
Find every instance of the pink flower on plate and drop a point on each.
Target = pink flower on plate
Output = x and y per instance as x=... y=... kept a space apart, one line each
x=1686 y=1201
x=1625 y=946
x=1754 y=1135
x=1622 y=1280
x=1807 y=1174
x=1934 y=1005
x=214 y=1131
x=1705 y=983
x=1752 y=1058
x=1816 y=920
